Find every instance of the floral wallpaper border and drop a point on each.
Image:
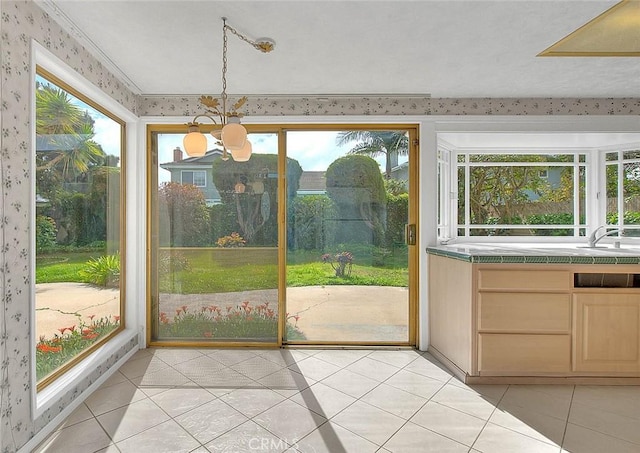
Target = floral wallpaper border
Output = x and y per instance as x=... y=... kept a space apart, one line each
x=307 y=106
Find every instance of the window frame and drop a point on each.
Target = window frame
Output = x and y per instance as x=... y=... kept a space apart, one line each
x=468 y=164
x=70 y=88
x=193 y=177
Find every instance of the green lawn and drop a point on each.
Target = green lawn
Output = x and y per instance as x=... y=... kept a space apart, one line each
x=205 y=274
x=62 y=266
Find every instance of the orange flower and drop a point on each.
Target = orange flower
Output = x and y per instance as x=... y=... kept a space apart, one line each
x=46 y=348
x=91 y=336
x=91 y=317
x=207 y=334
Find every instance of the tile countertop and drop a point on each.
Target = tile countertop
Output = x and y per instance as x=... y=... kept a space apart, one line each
x=538 y=253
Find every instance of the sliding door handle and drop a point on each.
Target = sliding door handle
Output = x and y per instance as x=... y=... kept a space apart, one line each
x=410 y=234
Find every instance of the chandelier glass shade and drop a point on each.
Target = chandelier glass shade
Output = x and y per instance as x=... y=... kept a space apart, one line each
x=228 y=131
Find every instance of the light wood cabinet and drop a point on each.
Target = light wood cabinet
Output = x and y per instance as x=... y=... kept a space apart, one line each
x=493 y=321
x=606 y=332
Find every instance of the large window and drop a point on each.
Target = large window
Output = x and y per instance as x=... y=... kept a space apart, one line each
x=79 y=226
x=502 y=194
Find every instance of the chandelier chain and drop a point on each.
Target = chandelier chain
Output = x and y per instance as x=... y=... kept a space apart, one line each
x=224 y=66
x=254 y=44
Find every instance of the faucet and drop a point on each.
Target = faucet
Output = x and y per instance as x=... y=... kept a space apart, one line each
x=594 y=238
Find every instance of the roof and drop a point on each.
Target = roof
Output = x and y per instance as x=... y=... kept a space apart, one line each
x=313 y=181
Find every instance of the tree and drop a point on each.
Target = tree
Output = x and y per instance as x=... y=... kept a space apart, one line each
x=184 y=211
x=391 y=144
x=64 y=135
x=499 y=192
x=355 y=185
x=251 y=187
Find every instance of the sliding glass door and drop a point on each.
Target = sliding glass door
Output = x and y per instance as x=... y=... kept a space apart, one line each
x=348 y=263
x=305 y=243
x=214 y=243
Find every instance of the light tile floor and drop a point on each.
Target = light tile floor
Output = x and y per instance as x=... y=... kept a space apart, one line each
x=336 y=401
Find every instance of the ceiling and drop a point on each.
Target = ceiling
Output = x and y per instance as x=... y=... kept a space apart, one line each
x=445 y=48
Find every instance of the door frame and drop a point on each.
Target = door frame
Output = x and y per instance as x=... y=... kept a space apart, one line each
x=280 y=129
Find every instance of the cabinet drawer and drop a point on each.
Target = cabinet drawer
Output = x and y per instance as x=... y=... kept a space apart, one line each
x=524 y=312
x=520 y=354
x=523 y=280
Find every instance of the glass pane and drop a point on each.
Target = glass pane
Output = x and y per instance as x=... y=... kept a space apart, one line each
x=612 y=194
x=461 y=196
x=347 y=262
x=77 y=226
x=632 y=197
x=507 y=198
x=217 y=253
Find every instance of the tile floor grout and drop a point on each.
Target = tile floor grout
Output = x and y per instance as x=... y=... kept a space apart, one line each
x=341 y=411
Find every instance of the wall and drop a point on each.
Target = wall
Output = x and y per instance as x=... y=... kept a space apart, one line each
x=21 y=22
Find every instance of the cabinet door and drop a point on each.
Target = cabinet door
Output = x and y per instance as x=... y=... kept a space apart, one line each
x=607 y=332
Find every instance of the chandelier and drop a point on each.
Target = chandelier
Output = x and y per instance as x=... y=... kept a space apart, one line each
x=229 y=133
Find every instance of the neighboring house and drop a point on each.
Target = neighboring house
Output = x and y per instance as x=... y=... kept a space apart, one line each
x=552 y=176
x=312 y=183
x=401 y=172
x=196 y=171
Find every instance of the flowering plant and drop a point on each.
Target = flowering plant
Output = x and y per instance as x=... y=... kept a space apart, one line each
x=340 y=262
x=233 y=240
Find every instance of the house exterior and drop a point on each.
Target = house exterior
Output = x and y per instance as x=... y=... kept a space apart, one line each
x=196 y=171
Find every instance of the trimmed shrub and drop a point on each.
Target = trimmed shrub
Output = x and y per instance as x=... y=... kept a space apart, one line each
x=103 y=271
x=46 y=232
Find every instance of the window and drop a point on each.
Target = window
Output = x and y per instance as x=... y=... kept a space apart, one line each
x=622 y=176
x=79 y=226
x=501 y=194
x=196 y=177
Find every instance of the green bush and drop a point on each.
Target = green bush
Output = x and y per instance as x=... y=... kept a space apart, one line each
x=630 y=218
x=184 y=216
x=356 y=186
x=397 y=217
x=170 y=261
x=103 y=271
x=311 y=222
x=46 y=232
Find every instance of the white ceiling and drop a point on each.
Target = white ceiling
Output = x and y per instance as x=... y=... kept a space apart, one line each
x=445 y=48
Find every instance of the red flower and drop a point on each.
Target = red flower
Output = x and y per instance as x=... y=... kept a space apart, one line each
x=116 y=318
x=46 y=348
x=91 y=336
x=91 y=317
x=207 y=334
